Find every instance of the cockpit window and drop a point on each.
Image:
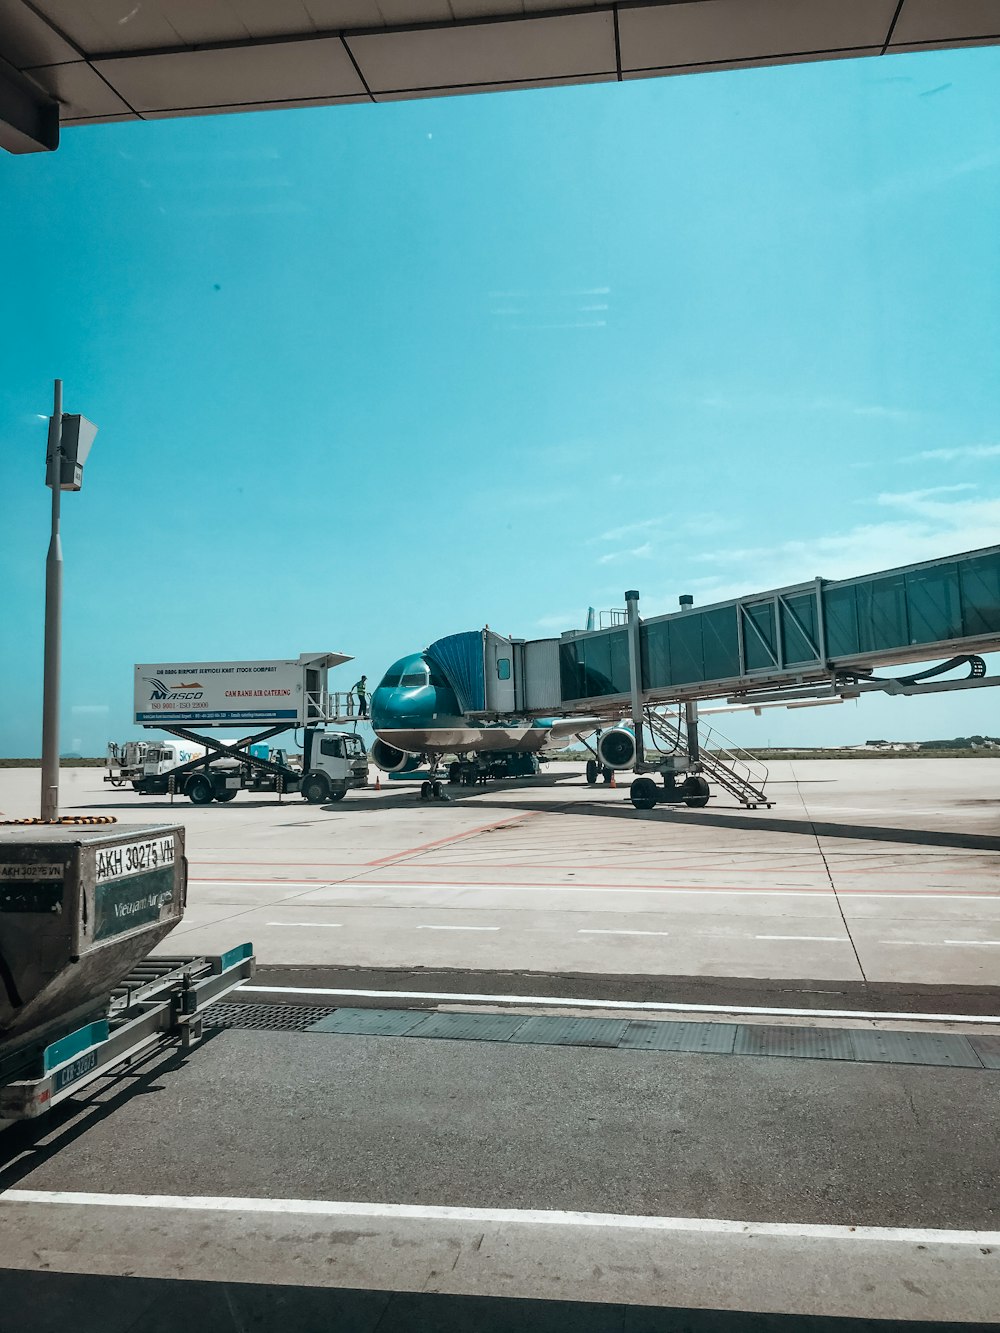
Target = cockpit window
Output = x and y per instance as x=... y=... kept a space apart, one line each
x=390 y=680
x=413 y=680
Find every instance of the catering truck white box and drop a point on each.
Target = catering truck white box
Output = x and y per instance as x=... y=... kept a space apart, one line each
x=234 y=694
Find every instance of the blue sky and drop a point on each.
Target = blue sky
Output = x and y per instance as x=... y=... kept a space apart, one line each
x=368 y=375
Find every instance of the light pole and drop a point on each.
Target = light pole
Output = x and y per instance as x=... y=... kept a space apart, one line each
x=70 y=438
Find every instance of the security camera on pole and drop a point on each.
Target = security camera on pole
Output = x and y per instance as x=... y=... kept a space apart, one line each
x=70 y=438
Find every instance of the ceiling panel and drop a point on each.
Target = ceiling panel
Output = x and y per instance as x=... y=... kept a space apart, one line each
x=488 y=53
x=418 y=93
x=80 y=91
x=715 y=31
x=942 y=20
x=480 y=9
x=112 y=25
x=261 y=106
x=541 y=6
x=856 y=53
x=288 y=70
x=398 y=13
x=332 y=15
x=195 y=21
x=28 y=40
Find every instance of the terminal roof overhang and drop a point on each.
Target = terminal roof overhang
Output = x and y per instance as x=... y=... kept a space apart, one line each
x=76 y=62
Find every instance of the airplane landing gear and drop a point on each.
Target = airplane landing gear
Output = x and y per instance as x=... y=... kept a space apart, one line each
x=433 y=790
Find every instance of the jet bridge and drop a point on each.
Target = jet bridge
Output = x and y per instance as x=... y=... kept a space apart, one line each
x=821 y=641
x=808 y=640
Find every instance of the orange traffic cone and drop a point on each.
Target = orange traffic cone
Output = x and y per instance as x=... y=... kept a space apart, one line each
x=612 y=783
x=378 y=781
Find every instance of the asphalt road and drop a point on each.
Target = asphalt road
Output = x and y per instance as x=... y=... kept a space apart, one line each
x=209 y=1167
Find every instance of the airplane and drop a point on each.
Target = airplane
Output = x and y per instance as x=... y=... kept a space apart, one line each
x=417 y=718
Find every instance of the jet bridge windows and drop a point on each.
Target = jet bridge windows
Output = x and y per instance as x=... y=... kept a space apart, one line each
x=933 y=606
x=594 y=664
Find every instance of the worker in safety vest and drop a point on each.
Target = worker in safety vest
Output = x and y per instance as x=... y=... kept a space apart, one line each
x=361 y=690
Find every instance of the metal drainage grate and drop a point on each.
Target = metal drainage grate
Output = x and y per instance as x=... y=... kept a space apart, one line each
x=265 y=1017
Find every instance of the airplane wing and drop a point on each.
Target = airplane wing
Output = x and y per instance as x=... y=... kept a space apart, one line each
x=567 y=726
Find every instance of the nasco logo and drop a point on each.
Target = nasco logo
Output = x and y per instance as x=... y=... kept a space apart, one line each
x=158 y=690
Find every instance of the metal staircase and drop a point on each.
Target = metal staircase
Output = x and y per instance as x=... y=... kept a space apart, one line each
x=736 y=770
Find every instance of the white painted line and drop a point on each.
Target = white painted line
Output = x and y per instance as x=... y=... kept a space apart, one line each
x=523 y=1216
x=944 y=944
x=457 y=927
x=818 y=939
x=313 y=925
x=623 y=932
x=653 y=1006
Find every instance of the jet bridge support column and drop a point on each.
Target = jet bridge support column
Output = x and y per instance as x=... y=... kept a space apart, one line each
x=635 y=676
x=691 y=707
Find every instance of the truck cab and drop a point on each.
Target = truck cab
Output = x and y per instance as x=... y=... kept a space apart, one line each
x=333 y=762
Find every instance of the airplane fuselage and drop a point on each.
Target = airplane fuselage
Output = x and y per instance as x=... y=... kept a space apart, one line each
x=415 y=710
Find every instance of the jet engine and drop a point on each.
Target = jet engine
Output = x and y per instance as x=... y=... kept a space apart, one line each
x=390 y=760
x=616 y=747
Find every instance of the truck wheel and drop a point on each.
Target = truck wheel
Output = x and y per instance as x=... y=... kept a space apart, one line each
x=199 y=791
x=338 y=795
x=226 y=795
x=591 y=772
x=642 y=793
x=695 y=791
x=315 y=790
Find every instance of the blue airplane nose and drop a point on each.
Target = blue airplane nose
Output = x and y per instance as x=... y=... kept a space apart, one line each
x=394 y=708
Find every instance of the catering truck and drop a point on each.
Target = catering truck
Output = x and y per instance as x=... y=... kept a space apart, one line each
x=273 y=696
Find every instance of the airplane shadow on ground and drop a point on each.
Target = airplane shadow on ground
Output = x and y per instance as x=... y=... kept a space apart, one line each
x=749 y=822
x=484 y=799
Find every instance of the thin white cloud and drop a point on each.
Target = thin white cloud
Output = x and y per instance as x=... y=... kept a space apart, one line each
x=954 y=454
x=564 y=620
x=791 y=402
x=881 y=412
x=642 y=552
x=628 y=530
x=930 y=524
x=912 y=499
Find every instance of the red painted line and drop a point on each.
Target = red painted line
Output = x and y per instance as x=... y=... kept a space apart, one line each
x=588 y=884
x=454 y=837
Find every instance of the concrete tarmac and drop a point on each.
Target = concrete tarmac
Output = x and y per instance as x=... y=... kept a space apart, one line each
x=636 y=1184
x=878 y=872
